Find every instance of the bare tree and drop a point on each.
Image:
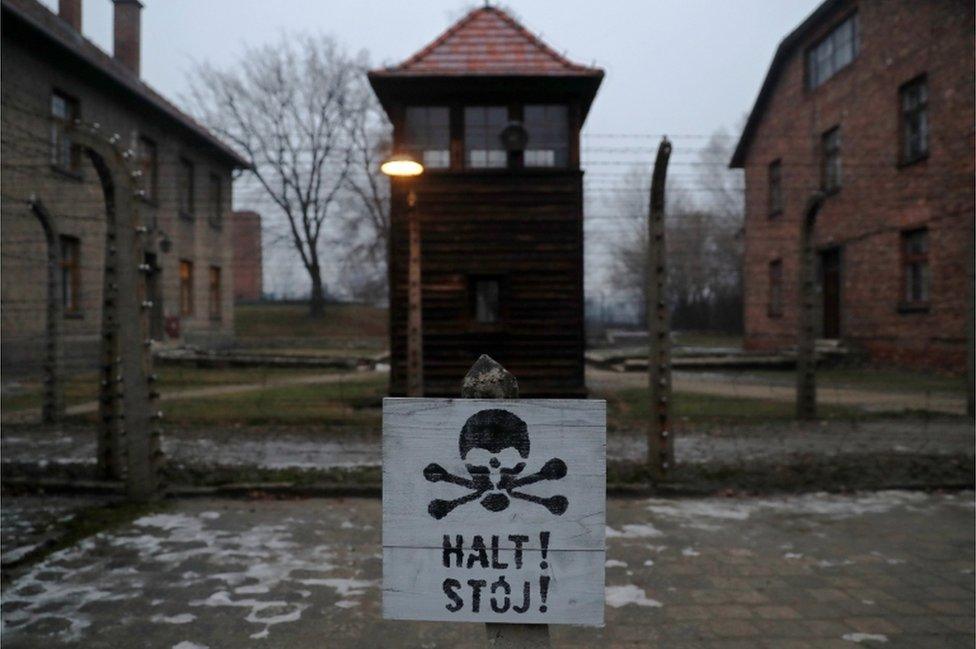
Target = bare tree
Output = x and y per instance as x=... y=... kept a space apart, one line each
x=703 y=238
x=366 y=205
x=291 y=109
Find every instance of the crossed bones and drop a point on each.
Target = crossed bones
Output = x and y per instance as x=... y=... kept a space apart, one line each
x=480 y=483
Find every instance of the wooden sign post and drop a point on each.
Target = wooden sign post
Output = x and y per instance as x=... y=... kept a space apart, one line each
x=494 y=509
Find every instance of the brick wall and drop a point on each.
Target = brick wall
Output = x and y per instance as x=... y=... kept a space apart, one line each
x=248 y=268
x=29 y=78
x=879 y=198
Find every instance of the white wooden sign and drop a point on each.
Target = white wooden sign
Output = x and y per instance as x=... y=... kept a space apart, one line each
x=494 y=510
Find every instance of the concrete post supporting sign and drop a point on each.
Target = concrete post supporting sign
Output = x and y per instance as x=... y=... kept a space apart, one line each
x=494 y=509
x=487 y=379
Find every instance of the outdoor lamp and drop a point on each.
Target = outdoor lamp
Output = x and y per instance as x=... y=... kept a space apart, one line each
x=401 y=165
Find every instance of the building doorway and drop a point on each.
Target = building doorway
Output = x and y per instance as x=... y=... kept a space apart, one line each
x=830 y=285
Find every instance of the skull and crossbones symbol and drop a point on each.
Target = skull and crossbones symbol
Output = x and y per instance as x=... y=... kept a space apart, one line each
x=492 y=443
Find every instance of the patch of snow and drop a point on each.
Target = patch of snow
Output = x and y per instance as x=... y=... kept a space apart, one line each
x=18 y=553
x=250 y=564
x=347 y=525
x=181 y=618
x=792 y=555
x=634 y=531
x=690 y=552
x=344 y=587
x=210 y=516
x=164 y=521
x=347 y=603
x=186 y=644
x=649 y=562
x=707 y=513
x=828 y=563
x=618 y=596
x=615 y=563
x=864 y=637
x=888 y=560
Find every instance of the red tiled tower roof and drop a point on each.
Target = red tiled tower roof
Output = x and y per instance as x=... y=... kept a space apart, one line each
x=488 y=42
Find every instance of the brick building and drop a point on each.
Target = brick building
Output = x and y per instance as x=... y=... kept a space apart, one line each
x=248 y=268
x=53 y=75
x=873 y=103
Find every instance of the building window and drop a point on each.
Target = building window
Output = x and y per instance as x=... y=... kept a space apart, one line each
x=831 y=169
x=487 y=300
x=186 y=287
x=216 y=201
x=149 y=166
x=70 y=275
x=186 y=188
x=483 y=126
x=775 y=187
x=427 y=135
x=215 y=298
x=915 y=261
x=64 y=112
x=775 y=308
x=914 y=120
x=834 y=52
x=548 y=130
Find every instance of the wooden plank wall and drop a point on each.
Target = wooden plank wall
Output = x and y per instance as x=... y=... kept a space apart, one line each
x=524 y=228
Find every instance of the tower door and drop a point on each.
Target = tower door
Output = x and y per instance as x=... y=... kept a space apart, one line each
x=830 y=282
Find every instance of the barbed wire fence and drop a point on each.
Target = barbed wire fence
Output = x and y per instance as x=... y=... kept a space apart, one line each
x=266 y=396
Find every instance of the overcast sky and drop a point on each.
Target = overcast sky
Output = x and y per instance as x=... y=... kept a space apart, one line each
x=680 y=67
x=675 y=66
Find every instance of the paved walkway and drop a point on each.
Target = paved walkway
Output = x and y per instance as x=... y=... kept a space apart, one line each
x=727 y=386
x=888 y=569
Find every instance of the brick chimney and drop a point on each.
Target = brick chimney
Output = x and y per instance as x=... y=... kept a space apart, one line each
x=127 y=30
x=70 y=12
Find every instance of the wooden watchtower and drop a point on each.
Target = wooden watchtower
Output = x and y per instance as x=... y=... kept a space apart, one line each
x=494 y=114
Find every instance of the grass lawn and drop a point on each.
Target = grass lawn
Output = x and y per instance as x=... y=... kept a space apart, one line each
x=707 y=339
x=870 y=379
x=82 y=388
x=345 y=404
x=79 y=389
x=343 y=327
x=628 y=409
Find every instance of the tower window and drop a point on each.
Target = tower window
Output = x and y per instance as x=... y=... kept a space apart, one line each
x=482 y=137
x=427 y=135
x=548 y=130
